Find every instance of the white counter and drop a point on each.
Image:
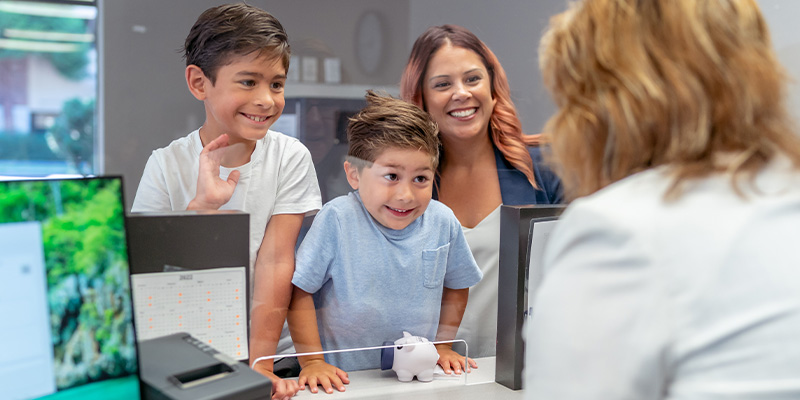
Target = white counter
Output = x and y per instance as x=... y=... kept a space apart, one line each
x=370 y=384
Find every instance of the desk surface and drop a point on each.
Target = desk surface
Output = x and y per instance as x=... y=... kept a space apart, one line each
x=479 y=385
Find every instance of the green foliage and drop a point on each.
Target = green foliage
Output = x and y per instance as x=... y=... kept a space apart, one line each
x=85 y=233
x=70 y=65
x=86 y=254
x=73 y=131
x=17 y=204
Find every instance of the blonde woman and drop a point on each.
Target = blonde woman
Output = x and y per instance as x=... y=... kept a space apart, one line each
x=674 y=273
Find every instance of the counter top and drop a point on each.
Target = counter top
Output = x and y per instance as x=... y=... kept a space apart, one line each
x=369 y=384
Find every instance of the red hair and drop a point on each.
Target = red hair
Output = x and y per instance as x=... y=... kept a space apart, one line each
x=505 y=127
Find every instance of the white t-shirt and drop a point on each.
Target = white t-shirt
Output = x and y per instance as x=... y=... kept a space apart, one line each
x=693 y=299
x=479 y=324
x=279 y=179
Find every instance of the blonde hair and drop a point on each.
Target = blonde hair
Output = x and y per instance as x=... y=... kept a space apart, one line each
x=694 y=85
x=504 y=125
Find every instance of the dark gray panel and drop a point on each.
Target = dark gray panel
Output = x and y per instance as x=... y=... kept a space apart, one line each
x=515 y=223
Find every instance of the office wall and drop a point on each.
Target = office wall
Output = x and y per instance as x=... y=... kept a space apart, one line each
x=147 y=104
x=781 y=16
x=145 y=99
x=513 y=28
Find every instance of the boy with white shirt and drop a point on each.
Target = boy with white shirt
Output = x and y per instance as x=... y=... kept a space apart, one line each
x=237 y=57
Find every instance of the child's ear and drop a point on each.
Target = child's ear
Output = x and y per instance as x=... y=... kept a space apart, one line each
x=351 y=172
x=196 y=80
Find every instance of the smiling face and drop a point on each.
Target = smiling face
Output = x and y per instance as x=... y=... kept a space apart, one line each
x=457 y=91
x=246 y=98
x=396 y=189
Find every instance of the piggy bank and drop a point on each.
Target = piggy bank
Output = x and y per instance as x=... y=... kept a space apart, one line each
x=411 y=356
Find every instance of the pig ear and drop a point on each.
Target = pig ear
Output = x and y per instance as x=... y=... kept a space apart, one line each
x=406 y=334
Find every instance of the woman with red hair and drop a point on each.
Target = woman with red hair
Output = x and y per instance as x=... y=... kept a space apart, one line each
x=486 y=160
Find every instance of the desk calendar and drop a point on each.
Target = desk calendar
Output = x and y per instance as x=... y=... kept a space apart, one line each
x=209 y=304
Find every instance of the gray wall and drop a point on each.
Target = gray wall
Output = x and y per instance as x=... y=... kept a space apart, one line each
x=781 y=16
x=145 y=102
x=147 y=105
x=513 y=28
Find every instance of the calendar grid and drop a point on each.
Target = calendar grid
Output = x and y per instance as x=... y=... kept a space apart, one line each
x=208 y=304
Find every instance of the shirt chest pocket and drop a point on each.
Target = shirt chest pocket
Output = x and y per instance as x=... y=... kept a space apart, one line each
x=434 y=264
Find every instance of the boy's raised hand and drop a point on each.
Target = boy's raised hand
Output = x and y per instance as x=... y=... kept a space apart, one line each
x=212 y=191
x=450 y=361
x=318 y=372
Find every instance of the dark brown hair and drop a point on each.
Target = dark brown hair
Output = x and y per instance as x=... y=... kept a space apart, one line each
x=234 y=29
x=386 y=123
x=505 y=127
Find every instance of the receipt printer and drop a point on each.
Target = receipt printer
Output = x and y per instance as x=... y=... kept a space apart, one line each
x=178 y=367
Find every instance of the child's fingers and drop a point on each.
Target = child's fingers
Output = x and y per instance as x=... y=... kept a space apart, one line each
x=284 y=389
x=233 y=178
x=445 y=366
x=457 y=367
x=343 y=376
x=326 y=384
x=212 y=151
x=220 y=141
x=463 y=364
x=472 y=363
x=336 y=382
x=312 y=384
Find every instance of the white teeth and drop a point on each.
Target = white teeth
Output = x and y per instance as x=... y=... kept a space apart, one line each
x=398 y=210
x=257 y=119
x=463 y=113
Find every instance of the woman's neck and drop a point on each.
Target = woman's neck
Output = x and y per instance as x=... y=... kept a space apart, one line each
x=467 y=154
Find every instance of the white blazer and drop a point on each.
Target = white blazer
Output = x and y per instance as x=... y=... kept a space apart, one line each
x=693 y=299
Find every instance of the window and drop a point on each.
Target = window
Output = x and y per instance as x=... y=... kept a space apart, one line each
x=48 y=88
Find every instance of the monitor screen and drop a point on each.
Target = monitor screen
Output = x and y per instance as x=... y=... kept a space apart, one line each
x=65 y=297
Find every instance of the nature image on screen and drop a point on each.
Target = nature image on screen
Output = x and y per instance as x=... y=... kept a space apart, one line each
x=89 y=302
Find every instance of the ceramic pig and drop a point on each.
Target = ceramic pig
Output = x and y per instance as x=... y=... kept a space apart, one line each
x=411 y=356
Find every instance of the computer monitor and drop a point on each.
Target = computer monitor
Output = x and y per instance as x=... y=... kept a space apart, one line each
x=65 y=297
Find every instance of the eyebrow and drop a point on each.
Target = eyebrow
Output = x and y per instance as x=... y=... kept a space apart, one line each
x=259 y=75
x=447 y=76
x=396 y=166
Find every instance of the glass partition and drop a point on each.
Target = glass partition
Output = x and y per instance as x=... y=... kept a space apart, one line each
x=48 y=88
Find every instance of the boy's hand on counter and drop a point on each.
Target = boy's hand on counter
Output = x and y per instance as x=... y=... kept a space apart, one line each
x=450 y=361
x=282 y=389
x=319 y=373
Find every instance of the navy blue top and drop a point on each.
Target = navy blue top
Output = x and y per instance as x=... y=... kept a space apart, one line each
x=515 y=188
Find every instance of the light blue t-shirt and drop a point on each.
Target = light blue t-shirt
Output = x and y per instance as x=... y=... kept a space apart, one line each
x=371 y=283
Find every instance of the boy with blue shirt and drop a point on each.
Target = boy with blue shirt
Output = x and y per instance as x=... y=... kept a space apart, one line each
x=385 y=258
